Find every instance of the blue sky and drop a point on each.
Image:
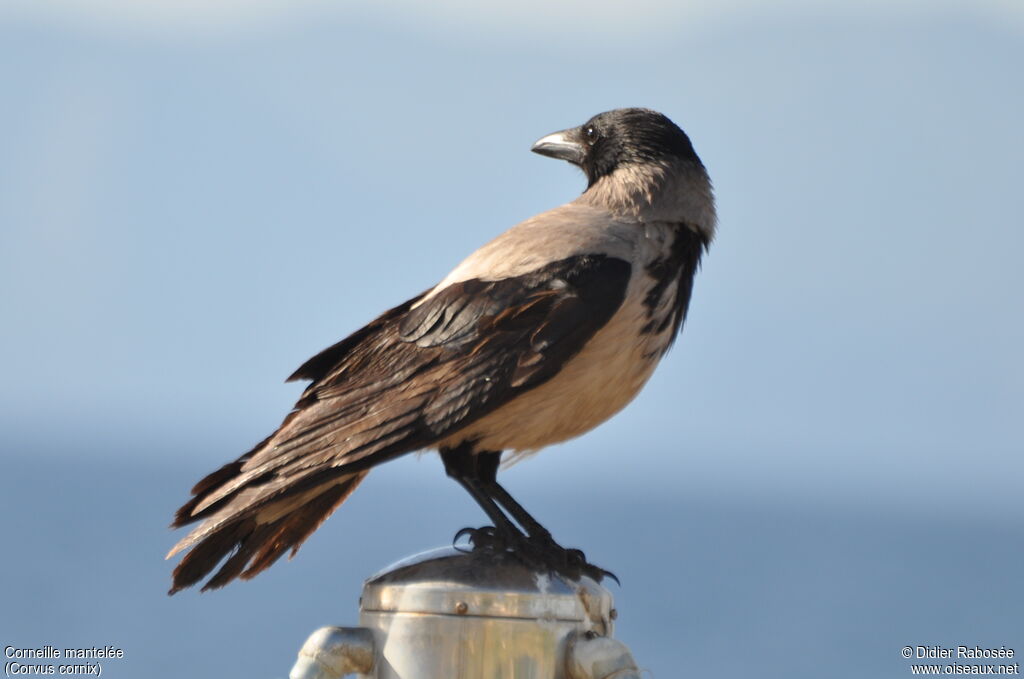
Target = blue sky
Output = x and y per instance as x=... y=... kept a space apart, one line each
x=195 y=197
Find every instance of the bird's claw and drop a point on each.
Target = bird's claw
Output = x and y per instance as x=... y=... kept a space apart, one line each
x=573 y=562
x=540 y=553
x=485 y=537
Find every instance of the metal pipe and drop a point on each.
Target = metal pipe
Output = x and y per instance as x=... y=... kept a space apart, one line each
x=333 y=652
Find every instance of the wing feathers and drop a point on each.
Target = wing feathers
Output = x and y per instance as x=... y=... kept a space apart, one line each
x=318 y=366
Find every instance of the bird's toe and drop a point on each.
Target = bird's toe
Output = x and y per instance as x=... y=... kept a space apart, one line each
x=485 y=537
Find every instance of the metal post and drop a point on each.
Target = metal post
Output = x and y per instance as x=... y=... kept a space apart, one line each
x=448 y=614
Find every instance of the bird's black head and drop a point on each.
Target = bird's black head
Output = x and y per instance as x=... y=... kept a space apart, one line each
x=615 y=138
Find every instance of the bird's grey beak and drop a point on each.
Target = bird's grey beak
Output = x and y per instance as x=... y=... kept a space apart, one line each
x=564 y=145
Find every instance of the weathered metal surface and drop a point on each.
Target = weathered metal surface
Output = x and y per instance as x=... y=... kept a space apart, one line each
x=333 y=652
x=592 y=657
x=454 y=615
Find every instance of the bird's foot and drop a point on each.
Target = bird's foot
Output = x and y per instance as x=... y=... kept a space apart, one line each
x=537 y=552
x=543 y=551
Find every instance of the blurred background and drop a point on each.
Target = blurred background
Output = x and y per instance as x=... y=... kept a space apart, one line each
x=197 y=196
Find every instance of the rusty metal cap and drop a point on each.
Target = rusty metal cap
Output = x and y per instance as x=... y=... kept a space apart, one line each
x=447 y=581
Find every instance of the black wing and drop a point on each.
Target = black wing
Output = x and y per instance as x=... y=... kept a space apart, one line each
x=412 y=377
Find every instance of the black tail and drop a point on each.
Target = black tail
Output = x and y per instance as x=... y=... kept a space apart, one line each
x=255 y=537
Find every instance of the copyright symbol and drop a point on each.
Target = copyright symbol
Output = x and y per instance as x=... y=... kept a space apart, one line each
x=907 y=652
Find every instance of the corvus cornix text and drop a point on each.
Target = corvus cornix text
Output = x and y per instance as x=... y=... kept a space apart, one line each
x=537 y=337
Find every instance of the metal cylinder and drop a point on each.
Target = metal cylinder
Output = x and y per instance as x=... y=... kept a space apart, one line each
x=450 y=614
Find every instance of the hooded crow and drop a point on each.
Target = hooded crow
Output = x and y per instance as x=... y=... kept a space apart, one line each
x=537 y=337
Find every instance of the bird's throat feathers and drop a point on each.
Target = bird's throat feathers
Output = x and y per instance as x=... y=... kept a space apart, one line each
x=678 y=192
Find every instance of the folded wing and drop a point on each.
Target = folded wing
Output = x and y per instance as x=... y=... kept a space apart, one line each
x=415 y=375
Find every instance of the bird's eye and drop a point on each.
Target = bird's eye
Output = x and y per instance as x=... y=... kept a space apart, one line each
x=590 y=133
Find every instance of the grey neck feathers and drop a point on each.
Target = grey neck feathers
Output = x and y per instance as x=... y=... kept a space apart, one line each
x=651 y=192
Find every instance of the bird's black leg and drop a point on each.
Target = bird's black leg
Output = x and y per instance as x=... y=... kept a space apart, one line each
x=540 y=546
x=463 y=465
x=488 y=466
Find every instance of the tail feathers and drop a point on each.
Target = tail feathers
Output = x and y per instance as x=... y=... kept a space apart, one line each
x=213 y=482
x=254 y=539
x=187 y=513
